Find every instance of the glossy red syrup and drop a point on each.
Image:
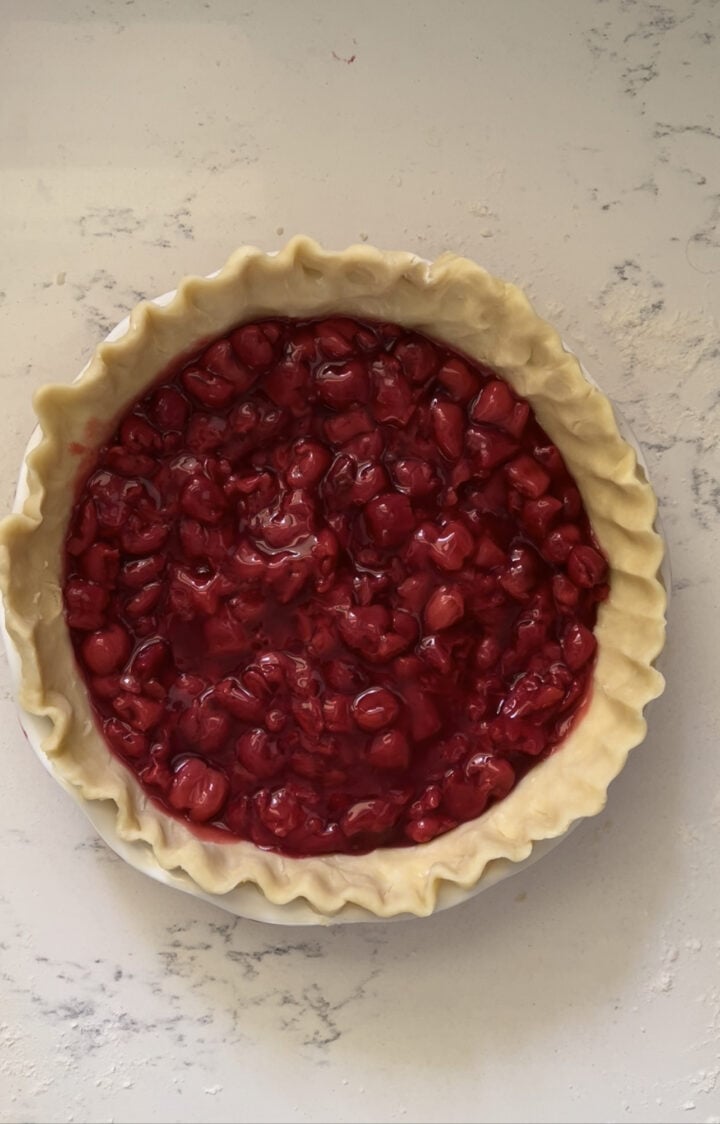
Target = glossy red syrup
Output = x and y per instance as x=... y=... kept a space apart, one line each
x=331 y=588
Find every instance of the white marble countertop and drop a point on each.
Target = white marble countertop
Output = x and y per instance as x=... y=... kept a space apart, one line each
x=573 y=146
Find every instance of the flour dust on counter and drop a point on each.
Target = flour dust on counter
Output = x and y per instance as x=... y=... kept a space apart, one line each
x=573 y=148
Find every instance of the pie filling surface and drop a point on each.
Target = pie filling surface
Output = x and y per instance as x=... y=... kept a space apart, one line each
x=331 y=588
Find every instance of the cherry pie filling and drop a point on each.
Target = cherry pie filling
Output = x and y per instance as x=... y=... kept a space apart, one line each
x=331 y=588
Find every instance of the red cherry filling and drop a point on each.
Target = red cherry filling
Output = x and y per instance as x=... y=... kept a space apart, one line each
x=331 y=588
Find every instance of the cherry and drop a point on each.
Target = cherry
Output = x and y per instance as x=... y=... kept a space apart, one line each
x=437 y=653
x=466 y=793
x=130 y=464
x=494 y=404
x=149 y=658
x=203 y=500
x=414 y=591
x=207 y=432
x=239 y=701
x=198 y=790
x=578 y=645
x=340 y=385
x=204 y=727
x=123 y=739
x=168 y=408
x=100 y=563
x=389 y=518
x=371 y=817
x=137 y=537
x=336 y=337
x=114 y=499
x=520 y=576
x=393 y=401
x=337 y=713
x=259 y=754
x=425 y=828
x=287 y=384
x=254 y=345
x=445 y=607
x=137 y=572
x=487 y=652
x=286 y=522
x=389 y=750
x=84 y=528
x=418 y=359
x=375 y=708
x=363 y=628
x=559 y=543
x=139 y=712
x=488 y=555
x=528 y=476
x=458 y=380
x=538 y=514
x=425 y=719
x=310 y=462
x=489 y=448
x=106 y=650
x=278 y=810
x=531 y=693
x=565 y=593
x=549 y=457
x=308 y=713
x=448 y=427
x=220 y=359
x=85 y=604
x=207 y=389
x=350 y=423
x=586 y=566
x=342 y=675
x=144 y=602
x=448 y=546
x=416 y=477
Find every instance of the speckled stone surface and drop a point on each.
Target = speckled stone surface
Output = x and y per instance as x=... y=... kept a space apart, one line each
x=573 y=147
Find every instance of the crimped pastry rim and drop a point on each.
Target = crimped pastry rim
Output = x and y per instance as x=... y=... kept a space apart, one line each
x=456 y=301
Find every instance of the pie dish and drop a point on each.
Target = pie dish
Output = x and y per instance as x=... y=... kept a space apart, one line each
x=337 y=577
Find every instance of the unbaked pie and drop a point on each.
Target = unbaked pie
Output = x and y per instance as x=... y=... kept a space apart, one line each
x=337 y=576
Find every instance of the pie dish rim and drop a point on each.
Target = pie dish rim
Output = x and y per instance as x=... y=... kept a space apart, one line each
x=324 y=903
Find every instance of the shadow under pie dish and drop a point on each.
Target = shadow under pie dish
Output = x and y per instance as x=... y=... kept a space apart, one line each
x=337 y=577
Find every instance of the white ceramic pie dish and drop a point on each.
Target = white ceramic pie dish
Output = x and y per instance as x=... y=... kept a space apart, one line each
x=247 y=900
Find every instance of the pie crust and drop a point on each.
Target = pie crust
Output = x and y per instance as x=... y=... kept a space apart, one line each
x=453 y=300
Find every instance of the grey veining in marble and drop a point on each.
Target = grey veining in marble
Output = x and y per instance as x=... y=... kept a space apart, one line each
x=573 y=146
